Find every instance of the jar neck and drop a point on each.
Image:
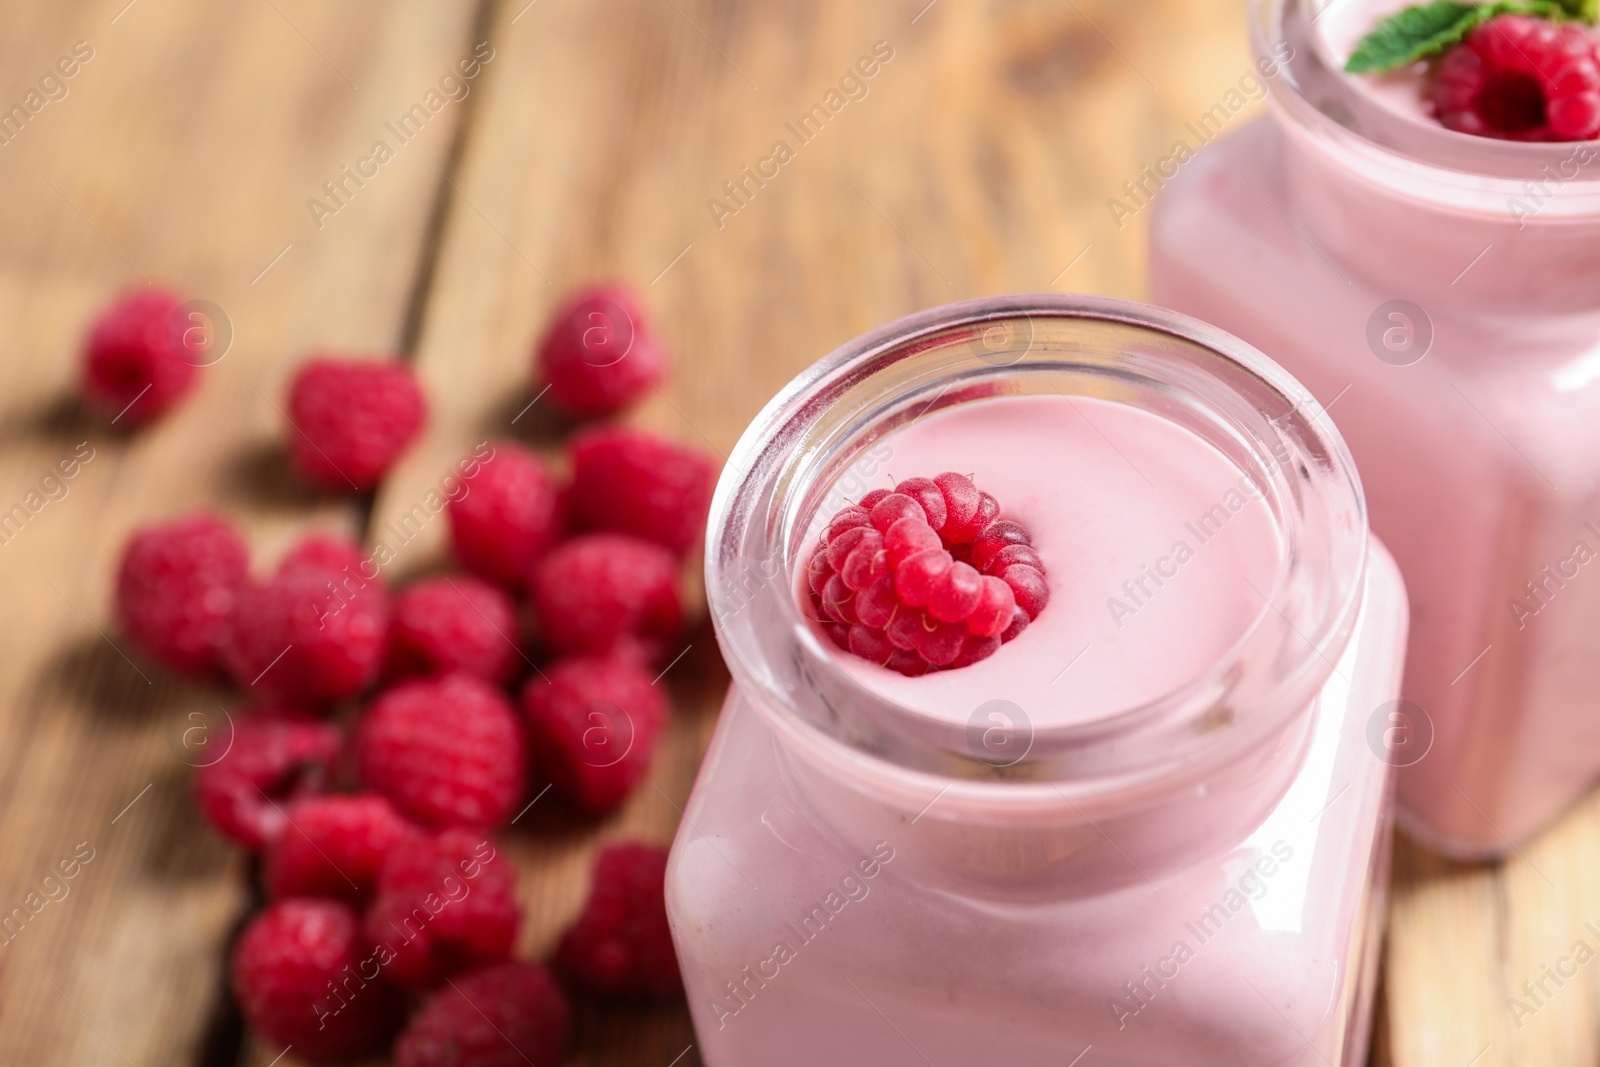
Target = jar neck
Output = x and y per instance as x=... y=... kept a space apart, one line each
x=1421 y=211
x=1240 y=720
x=1021 y=839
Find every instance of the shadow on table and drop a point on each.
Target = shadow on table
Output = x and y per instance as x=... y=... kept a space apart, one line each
x=260 y=477
x=615 y=1034
x=92 y=673
x=529 y=418
x=62 y=419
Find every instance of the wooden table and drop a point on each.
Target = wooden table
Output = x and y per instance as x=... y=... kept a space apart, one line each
x=591 y=144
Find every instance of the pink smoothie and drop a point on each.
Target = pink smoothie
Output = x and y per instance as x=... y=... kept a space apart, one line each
x=820 y=920
x=1446 y=313
x=831 y=906
x=1160 y=551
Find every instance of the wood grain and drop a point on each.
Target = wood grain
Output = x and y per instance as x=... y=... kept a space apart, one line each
x=594 y=145
x=183 y=153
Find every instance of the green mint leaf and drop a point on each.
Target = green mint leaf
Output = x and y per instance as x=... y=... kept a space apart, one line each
x=1408 y=35
x=1428 y=29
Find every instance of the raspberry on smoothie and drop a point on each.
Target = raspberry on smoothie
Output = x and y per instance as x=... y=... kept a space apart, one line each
x=1514 y=71
x=925 y=577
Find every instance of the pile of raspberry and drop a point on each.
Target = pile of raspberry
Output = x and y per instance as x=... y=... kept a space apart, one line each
x=926 y=576
x=1522 y=78
x=386 y=740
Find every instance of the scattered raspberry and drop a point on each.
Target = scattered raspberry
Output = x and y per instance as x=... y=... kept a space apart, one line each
x=456 y=623
x=325 y=552
x=596 y=588
x=351 y=418
x=446 y=902
x=134 y=366
x=176 y=590
x=925 y=577
x=593 y=726
x=448 y=751
x=509 y=1015
x=510 y=514
x=333 y=847
x=638 y=483
x=1521 y=78
x=301 y=971
x=621 y=944
x=315 y=632
x=271 y=760
x=600 y=354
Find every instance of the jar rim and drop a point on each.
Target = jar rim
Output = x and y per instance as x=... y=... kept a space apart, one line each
x=1268 y=677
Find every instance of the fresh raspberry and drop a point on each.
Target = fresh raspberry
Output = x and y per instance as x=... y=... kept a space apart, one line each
x=593 y=727
x=909 y=536
x=961 y=501
x=621 y=944
x=928 y=495
x=907 y=662
x=1028 y=588
x=876 y=604
x=323 y=551
x=600 y=354
x=918 y=577
x=596 y=588
x=448 y=751
x=867 y=563
x=509 y=515
x=269 y=760
x=924 y=577
x=838 y=602
x=896 y=506
x=994 y=610
x=314 y=633
x=1522 y=78
x=870 y=501
x=305 y=977
x=977 y=648
x=333 y=847
x=351 y=418
x=987 y=514
x=840 y=542
x=446 y=902
x=638 y=483
x=456 y=623
x=509 y=1015
x=1019 y=622
x=1000 y=535
x=1014 y=553
x=135 y=366
x=176 y=589
x=957 y=596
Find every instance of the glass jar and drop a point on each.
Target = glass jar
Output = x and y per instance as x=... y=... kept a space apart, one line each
x=1194 y=879
x=1441 y=294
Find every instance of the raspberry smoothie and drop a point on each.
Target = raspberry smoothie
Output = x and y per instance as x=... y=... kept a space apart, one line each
x=1440 y=293
x=1150 y=823
x=1166 y=553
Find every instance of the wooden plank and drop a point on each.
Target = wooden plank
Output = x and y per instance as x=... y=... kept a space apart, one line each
x=979 y=161
x=183 y=152
x=1493 y=964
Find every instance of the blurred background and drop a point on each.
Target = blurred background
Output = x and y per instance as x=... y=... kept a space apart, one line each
x=209 y=148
